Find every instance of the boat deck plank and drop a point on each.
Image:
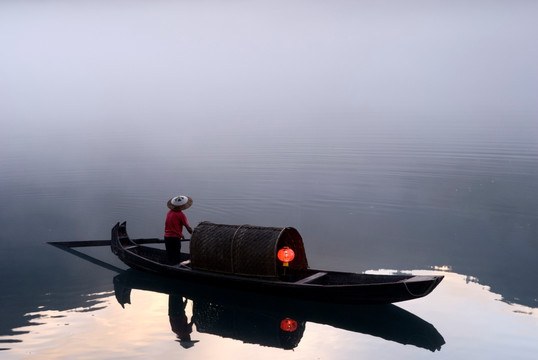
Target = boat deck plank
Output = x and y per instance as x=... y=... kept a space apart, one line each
x=311 y=278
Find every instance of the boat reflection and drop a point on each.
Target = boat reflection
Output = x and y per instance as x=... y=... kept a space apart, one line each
x=271 y=321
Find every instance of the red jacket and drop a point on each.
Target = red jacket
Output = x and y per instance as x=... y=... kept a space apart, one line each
x=173 y=226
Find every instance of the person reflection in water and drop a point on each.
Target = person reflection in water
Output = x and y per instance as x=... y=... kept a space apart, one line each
x=179 y=322
x=173 y=226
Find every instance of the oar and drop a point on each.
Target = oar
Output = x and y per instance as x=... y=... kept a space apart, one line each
x=88 y=258
x=88 y=243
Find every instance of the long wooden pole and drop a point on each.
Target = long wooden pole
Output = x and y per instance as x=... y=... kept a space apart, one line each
x=89 y=258
x=88 y=243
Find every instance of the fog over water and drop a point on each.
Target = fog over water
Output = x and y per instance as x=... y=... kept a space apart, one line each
x=95 y=61
x=392 y=135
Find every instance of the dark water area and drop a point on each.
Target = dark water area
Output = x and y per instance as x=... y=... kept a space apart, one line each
x=387 y=155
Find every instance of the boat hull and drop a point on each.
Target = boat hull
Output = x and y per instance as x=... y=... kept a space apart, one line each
x=331 y=287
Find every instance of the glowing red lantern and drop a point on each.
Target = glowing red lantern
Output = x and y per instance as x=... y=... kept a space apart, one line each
x=286 y=255
x=288 y=325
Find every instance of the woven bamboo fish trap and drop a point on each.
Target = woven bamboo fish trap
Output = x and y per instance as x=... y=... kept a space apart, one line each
x=244 y=249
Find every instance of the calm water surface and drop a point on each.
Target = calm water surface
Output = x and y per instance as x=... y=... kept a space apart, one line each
x=350 y=122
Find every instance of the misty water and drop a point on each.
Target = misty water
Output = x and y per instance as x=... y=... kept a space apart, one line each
x=395 y=136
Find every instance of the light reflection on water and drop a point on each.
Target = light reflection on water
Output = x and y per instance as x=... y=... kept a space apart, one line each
x=458 y=309
x=358 y=203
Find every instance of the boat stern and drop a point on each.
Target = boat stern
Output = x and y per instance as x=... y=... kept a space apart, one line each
x=421 y=285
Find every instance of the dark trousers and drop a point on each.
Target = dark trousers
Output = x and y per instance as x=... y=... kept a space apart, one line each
x=173 y=249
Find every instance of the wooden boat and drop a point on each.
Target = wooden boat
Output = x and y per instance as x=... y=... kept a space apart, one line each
x=245 y=258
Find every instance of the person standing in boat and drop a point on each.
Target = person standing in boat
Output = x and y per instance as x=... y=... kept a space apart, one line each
x=173 y=226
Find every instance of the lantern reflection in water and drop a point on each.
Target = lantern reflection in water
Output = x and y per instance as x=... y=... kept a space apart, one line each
x=288 y=324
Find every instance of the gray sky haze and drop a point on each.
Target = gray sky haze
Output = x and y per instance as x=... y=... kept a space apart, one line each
x=99 y=60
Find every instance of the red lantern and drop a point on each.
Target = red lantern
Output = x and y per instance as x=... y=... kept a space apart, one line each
x=288 y=325
x=286 y=255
